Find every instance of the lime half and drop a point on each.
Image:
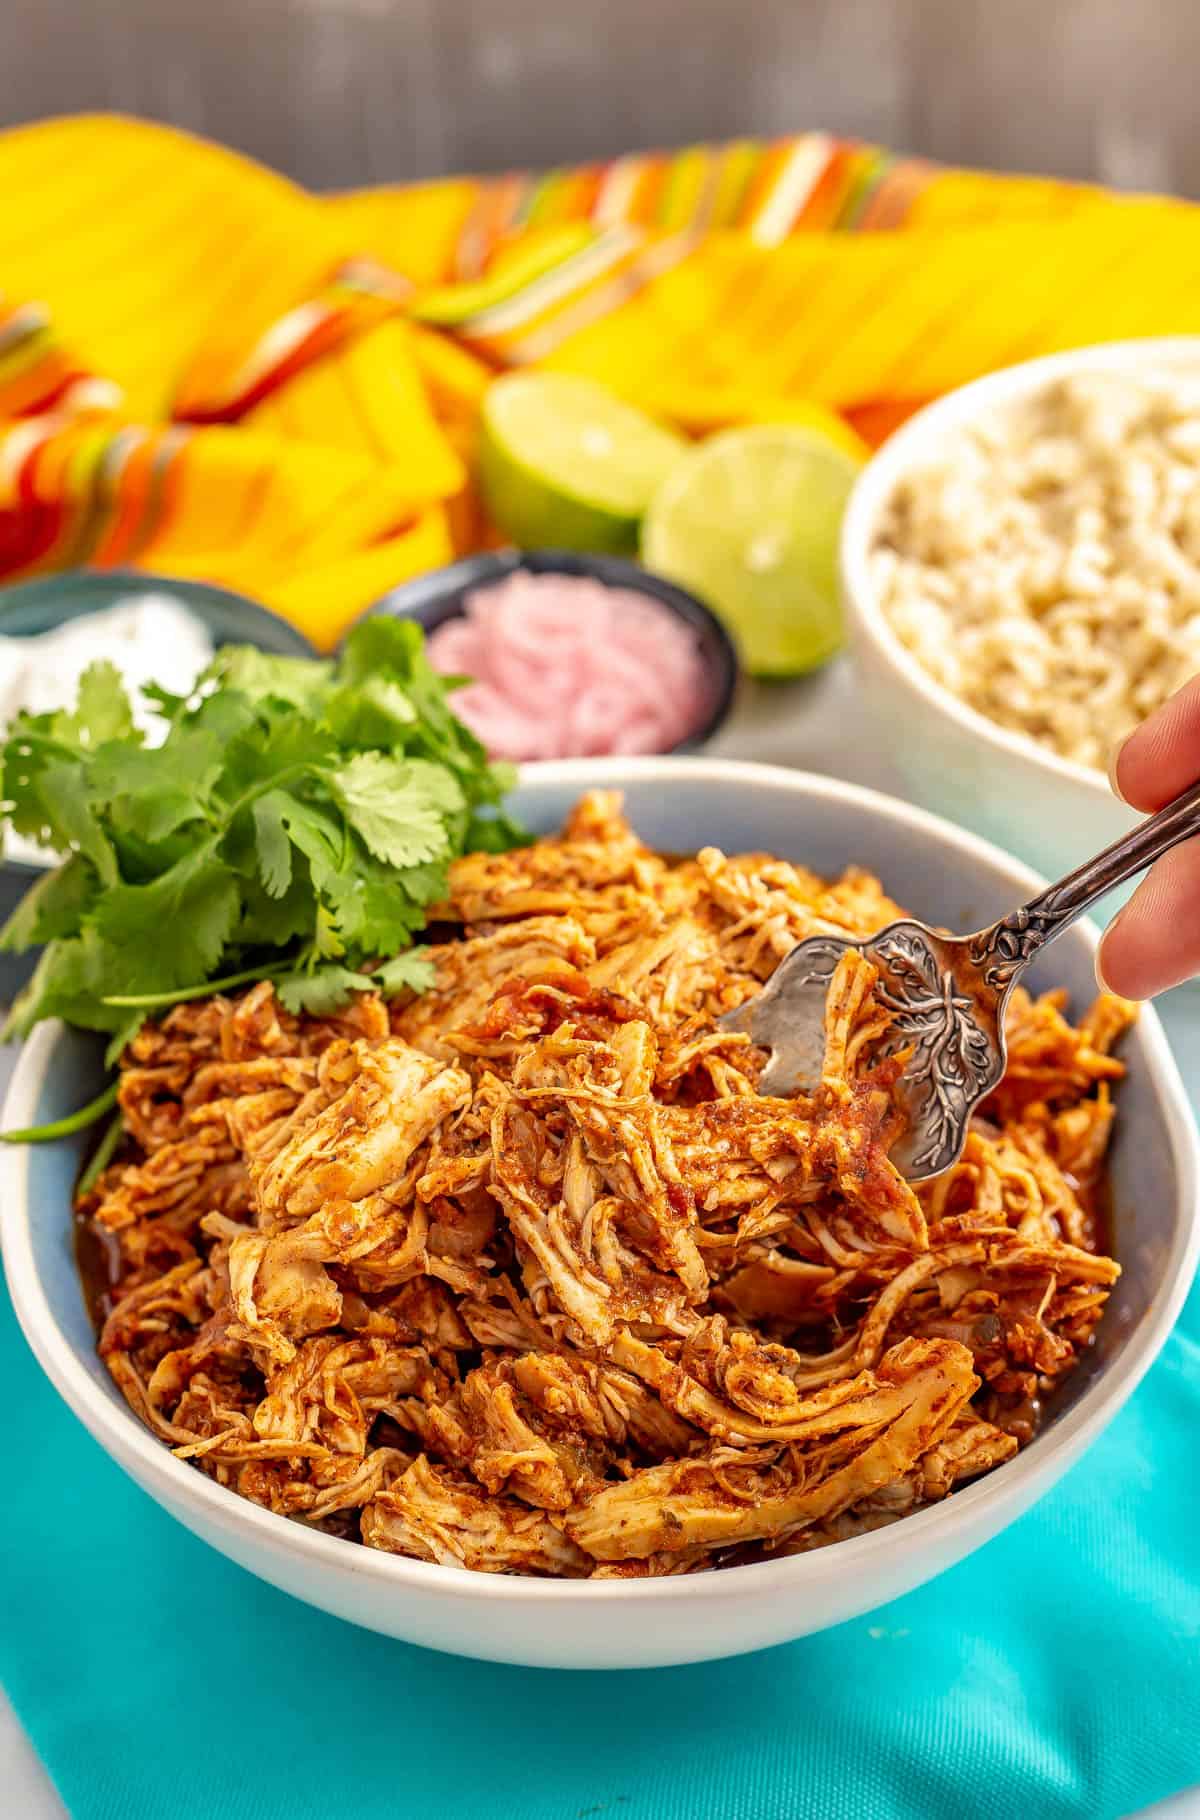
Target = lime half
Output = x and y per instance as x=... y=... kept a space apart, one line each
x=749 y=521
x=565 y=464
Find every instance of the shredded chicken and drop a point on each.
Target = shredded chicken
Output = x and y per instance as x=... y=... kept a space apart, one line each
x=523 y=1275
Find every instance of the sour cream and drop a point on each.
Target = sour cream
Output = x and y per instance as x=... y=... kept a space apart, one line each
x=149 y=637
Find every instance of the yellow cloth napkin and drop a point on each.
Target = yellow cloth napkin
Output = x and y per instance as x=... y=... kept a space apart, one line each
x=206 y=371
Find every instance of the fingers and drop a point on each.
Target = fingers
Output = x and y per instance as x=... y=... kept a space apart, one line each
x=1154 y=942
x=1162 y=756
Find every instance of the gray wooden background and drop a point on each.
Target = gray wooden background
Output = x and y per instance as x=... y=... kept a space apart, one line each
x=341 y=92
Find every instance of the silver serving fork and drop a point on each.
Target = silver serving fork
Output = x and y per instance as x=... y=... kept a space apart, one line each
x=947 y=994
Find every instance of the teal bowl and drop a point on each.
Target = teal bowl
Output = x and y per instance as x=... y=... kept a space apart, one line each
x=30 y=608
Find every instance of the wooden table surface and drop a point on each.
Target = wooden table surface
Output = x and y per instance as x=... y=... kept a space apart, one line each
x=343 y=92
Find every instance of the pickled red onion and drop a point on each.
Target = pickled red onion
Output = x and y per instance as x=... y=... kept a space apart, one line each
x=566 y=667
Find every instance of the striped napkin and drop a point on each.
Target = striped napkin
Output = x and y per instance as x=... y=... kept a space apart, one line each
x=206 y=371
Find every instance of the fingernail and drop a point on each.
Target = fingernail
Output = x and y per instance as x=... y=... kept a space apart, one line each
x=1113 y=762
x=1098 y=957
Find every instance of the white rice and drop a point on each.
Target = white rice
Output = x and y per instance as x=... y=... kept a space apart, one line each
x=1047 y=569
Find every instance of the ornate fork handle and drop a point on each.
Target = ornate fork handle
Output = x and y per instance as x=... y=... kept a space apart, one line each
x=1007 y=947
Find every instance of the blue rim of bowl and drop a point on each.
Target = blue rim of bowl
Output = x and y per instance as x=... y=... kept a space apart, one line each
x=438 y=596
x=90 y=590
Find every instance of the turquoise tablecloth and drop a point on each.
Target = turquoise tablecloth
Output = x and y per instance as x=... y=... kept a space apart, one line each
x=1057 y=1673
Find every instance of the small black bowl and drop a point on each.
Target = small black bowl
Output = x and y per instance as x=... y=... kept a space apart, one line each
x=431 y=599
x=30 y=608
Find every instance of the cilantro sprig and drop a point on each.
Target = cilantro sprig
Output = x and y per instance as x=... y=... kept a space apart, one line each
x=296 y=824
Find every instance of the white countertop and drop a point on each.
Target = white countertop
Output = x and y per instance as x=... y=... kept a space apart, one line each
x=814 y=725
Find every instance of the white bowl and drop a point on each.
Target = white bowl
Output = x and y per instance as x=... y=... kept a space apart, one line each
x=1050 y=811
x=677 y=804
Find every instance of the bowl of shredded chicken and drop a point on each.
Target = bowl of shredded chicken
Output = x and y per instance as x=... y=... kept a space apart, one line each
x=524 y=1276
x=511 y=1319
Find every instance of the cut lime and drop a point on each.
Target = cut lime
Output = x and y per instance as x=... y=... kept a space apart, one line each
x=566 y=465
x=749 y=521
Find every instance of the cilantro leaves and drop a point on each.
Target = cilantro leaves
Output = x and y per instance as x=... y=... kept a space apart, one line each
x=397 y=806
x=297 y=822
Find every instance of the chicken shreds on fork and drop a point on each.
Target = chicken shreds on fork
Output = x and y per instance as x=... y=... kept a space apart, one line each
x=524 y=1275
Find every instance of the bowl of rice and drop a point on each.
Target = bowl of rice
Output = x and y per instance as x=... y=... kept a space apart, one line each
x=1021 y=576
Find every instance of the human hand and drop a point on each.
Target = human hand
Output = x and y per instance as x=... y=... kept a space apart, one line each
x=1154 y=941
